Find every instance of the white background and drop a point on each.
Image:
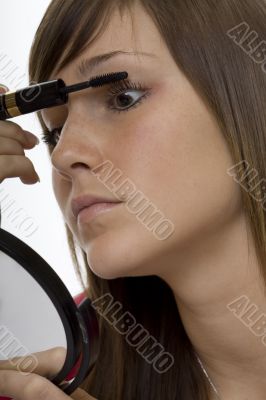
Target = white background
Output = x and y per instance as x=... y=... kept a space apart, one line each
x=40 y=223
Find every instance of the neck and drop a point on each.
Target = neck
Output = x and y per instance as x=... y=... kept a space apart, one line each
x=213 y=275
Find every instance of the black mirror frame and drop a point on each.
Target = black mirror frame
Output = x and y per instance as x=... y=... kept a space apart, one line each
x=80 y=322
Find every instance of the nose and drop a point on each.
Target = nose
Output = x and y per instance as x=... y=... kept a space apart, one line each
x=75 y=151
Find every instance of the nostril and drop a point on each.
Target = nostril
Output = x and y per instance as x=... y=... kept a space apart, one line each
x=80 y=164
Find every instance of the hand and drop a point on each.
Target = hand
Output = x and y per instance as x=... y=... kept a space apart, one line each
x=13 y=163
x=24 y=385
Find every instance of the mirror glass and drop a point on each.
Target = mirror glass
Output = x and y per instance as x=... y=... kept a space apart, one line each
x=29 y=321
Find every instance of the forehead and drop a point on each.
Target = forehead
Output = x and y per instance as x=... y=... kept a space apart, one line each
x=132 y=31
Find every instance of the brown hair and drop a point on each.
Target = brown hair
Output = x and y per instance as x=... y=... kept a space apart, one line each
x=234 y=88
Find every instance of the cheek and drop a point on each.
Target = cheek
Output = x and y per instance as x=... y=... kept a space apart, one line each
x=179 y=161
x=61 y=190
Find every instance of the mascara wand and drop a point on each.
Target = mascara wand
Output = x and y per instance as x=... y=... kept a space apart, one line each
x=48 y=94
x=95 y=82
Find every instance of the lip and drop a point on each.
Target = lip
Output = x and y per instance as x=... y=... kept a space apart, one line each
x=85 y=201
x=89 y=213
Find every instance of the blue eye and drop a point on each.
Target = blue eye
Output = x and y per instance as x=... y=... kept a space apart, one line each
x=117 y=91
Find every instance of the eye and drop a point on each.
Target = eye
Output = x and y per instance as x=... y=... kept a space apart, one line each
x=118 y=100
x=51 y=137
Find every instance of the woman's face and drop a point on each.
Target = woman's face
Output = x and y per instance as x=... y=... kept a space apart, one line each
x=168 y=145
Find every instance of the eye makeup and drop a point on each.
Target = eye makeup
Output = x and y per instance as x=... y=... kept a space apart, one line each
x=115 y=89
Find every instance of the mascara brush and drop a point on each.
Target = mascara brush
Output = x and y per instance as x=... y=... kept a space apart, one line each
x=48 y=94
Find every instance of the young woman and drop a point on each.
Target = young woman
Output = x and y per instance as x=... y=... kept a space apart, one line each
x=184 y=130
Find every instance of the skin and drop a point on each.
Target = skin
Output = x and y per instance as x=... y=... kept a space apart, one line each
x=173 y=150
x=19 y=380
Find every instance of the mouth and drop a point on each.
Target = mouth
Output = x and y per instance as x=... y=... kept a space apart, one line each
x=87 y=200
x=87 y=214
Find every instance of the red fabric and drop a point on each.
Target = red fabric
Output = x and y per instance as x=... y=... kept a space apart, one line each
x=78 y=299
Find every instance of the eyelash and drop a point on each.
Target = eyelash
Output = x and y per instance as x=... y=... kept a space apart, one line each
x=116 y=89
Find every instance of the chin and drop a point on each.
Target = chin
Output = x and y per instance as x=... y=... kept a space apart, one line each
x=115 y=255
x=109 y=267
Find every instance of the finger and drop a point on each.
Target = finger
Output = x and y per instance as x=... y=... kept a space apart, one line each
x=12 y=130
x=46 y=363
x=80 y=394
x=3 y=88
x=17 y=166
x=11 y=147
x=31 y=387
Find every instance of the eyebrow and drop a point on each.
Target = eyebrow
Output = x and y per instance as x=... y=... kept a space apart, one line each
x=87 y=65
